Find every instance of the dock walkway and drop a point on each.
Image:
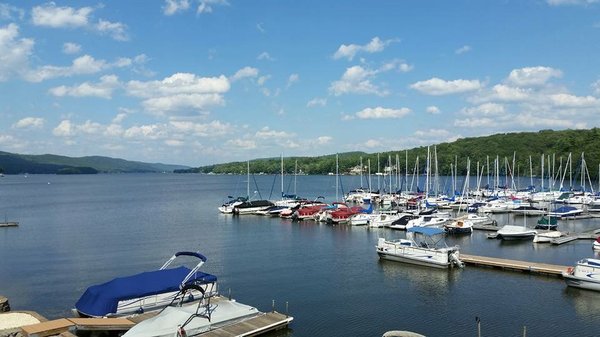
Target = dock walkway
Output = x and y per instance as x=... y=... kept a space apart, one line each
x=515 y=265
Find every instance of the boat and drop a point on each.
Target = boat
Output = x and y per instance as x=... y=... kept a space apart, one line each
x=251 y=206
x=585 y=275
x=428 y=252
x=427 y=221
x=227 y=207
x=510 y=232
x=547 y=223
x=596 y=244
x=459 y=226
x=528 y=210
x=383 y=220
x=565 y=211
x=147 y=291
x=546 y=236
x=402 y=221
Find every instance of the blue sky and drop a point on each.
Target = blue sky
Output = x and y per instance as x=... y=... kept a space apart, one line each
x=196 y=82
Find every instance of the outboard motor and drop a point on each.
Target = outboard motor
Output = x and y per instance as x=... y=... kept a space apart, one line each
x=455 y=261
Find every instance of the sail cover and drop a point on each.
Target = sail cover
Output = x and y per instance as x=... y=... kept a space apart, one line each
x=102 y=299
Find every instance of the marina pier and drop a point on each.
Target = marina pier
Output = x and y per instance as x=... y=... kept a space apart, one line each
x=514 y=265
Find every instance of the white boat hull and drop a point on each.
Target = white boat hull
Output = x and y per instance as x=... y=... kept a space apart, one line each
x=398 y=251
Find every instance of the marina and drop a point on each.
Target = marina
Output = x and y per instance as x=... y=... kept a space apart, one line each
x=161 y=208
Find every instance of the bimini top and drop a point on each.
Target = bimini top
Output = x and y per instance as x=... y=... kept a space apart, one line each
x=102 y=299
x=429 y=231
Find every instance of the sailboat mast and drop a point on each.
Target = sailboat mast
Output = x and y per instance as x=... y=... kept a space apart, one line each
x=282 y=175
x=337 y=176
x=248 y=184
x=361 y=173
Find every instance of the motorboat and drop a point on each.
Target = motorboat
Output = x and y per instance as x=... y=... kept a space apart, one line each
x=251 y=206
x=510 y=232
x=477 y=219
x=585 y=275
x=430 y=249
x=546 y=236
x=401 y=222
x=227 y=207
x=565 y=211
x=528 y=210
x=147 y=291
x=427 y=221
x=383 y=220
x=459 y=226
x=361 y=219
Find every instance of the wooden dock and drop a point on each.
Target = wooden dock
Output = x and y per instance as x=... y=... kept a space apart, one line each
x=514 y=265
x=254 y=326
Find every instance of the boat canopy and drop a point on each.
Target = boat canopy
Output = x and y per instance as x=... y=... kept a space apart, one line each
x=429 y=231
x=103 y=299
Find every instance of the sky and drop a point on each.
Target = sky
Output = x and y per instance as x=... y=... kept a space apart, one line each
x=199 y=82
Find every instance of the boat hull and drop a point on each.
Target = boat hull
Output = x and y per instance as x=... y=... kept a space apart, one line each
x=580 y=282
x=413 y=260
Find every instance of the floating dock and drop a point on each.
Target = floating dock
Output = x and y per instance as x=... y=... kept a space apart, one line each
x=514 y=265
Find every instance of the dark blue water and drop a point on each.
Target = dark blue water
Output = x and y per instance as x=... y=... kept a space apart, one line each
x=81 y=230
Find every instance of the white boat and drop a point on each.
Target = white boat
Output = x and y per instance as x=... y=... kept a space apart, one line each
x=596 y=244
x=383 y=220
x=510 y=232
x=427 y=252
x=565 y=211
x=585 y=275
x=402 y=221
x=546 y=236
x=459 y=226
x=361 y=219
x=227 y=207
x=427 y=221
x=479 y=219
x=251 y=206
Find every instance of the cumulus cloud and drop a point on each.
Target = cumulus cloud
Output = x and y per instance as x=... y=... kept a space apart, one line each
x=83 y=65
x=102 y=89
x=532 y=76
x=374 y=46
x=71 y=48
x=437 y=87
x=68 y=129
x=486 y=109
x=29 y=123
x=371 y=143
x=245 y=72
x=180 y=91
x=245 y=144
x=571 y=2
x=174 y=6
x=572 y=101
x=14 y=52
x=324 y=140
x=53 y=16
x=434 y=110
x=267 y=133
x=356 y=80
x=316 y=102
x=381 y=113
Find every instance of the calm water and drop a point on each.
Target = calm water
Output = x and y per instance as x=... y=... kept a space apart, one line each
x=80 y=230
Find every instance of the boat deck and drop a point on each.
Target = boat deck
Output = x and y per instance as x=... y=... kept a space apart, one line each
x=515 y=265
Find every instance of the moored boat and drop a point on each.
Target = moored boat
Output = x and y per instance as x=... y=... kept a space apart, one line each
x=510 y=232
x=430 y=251
x=585 y=275
x=459 y=226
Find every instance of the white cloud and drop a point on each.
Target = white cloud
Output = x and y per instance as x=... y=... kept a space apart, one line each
x=64 y=129
x=462 y=50
x=316 y=102
x=260 y=27
x=244 y=73
x=14 y=52
x=532 y=76
x=571 y=2
x=486 y=109
x=71 y=48
x=266 y=133
x=292 y=79
x=374 y=46
x=505 y=93
x=322 y=140
x=434 y=110
x=116 y=30
x=49 y=15
x=572 y=101
x=379 y=113
x=436 y=86
x=83 y=65
x=180 y=92
x=146 y=132
x=261 y=80
x=356 y=80
x=68 y=129
x=371 y=143
x=29 y=123
x=102 y=89
x=244 y=144
x=206 y=6
x=265 y=56
x=213 y=128
x=173 y=6
x=174 y=142
x=11 y=13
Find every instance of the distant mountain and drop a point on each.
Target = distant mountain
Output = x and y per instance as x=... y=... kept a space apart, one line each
x=13 y=163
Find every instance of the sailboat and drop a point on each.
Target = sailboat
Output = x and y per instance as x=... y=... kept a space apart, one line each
x=250 y=206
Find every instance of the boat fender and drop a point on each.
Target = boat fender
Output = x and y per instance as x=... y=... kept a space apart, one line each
x=181 y=331
x=570 y=270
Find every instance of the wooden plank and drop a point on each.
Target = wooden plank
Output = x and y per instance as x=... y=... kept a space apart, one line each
x=48 y=328
x=102 y=323
x=252 y=327
x=532 y=267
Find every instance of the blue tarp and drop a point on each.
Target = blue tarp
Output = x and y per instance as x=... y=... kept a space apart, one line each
x=102 y=299
x=429 y=231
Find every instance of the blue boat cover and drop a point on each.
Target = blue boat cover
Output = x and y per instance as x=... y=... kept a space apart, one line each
x=564 y=209
x=429 y=231
x=102 y=299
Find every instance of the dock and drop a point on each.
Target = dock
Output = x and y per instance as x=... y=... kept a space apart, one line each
x=514 y=265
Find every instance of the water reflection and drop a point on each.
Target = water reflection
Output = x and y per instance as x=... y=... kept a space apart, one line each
x=426 y=281
x=586 y=302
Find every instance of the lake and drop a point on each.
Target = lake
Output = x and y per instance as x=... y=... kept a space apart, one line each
x=76 y=231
